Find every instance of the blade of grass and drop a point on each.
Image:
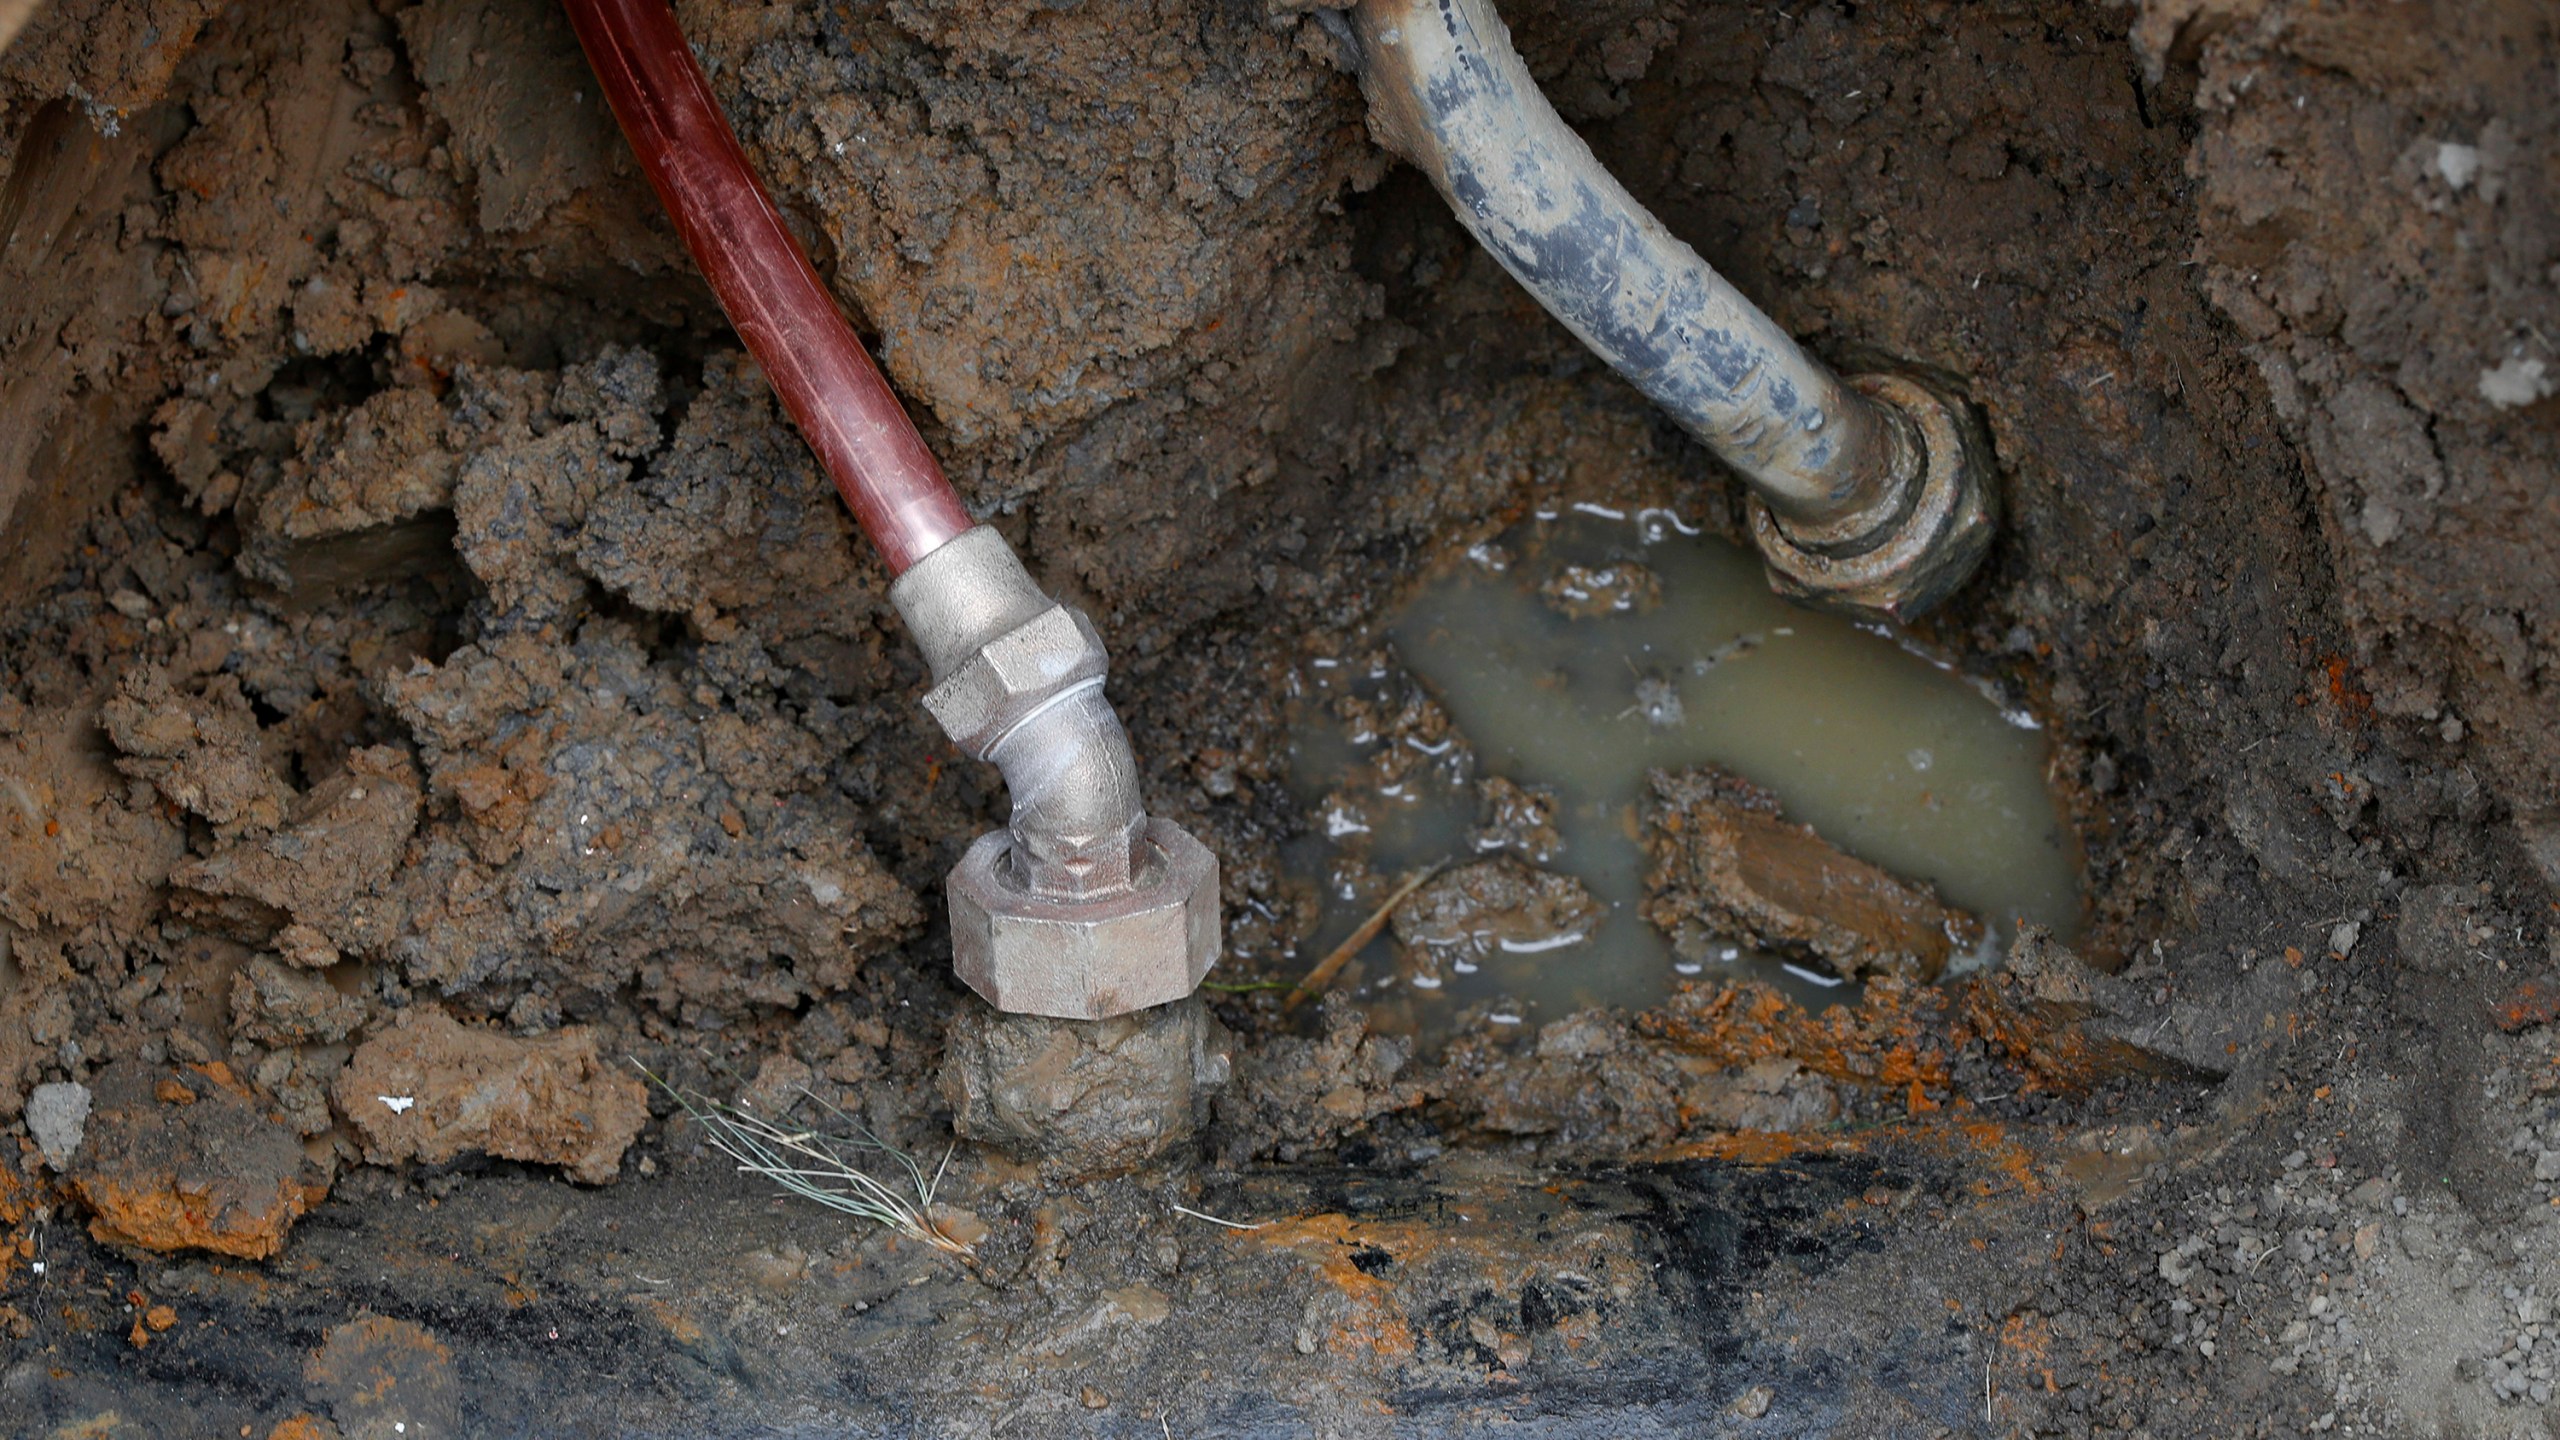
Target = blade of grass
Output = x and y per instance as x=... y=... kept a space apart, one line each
x=819 y=1167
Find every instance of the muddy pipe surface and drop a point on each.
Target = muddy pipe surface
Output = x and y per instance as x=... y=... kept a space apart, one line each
x=786 y=315
x=1447 y=91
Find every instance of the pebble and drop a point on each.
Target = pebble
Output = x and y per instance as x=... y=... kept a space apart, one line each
x=58 y=1118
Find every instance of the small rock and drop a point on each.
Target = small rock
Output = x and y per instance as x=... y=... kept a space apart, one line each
x=1095 y=1399
x=1754 y=1402
x=56 y=1116
x=2343 y=937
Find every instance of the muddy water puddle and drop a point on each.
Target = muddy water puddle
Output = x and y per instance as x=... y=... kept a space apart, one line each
x=1515 y=712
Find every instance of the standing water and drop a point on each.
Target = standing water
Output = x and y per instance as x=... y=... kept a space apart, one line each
x=1576 y=655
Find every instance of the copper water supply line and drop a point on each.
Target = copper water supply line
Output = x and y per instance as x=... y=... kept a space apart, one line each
x=1083 y=906
x=767 y=287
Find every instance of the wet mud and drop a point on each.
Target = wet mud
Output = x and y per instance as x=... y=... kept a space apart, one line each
x=430 y=666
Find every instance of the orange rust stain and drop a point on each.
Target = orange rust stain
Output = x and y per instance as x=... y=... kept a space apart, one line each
x=2535 y=1002
x=167 y=1218
x=2355 y=704
x=219 y=1072
x=1377 y=1324
x=1760 y=1147
x=2008 y=1165
x=675 y=1322
x=300 y=1427
x=15 y=1200
x=1893 y=1037
x=518 y=1293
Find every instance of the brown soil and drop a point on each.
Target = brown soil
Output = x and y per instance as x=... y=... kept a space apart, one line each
x=420 y=620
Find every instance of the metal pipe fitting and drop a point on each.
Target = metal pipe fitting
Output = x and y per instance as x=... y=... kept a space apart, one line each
x=1081 y=907
x=1871 y=496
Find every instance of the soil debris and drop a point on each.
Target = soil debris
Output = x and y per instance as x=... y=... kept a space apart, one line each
x=186 y=1158
x=386 y=1379
x=1475 y=910
x=429 y=1088
x=202 y=751
x=1586 y=592
x=1085 y=1098
x=1726 y=863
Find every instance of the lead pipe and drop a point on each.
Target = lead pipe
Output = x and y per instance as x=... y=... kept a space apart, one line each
x=1842 y=468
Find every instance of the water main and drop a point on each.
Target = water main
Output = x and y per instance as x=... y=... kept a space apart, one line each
x=1871 y=495
x=1083 y=906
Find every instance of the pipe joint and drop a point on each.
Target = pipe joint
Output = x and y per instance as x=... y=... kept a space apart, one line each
x=1081 y=907
x=1853 y=498
x=1924 y=539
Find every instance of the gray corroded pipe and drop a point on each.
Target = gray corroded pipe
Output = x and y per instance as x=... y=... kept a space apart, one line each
x=1873 y=493
x=1081 y=907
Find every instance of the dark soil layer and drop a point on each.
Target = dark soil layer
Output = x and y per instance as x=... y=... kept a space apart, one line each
x=431 y=664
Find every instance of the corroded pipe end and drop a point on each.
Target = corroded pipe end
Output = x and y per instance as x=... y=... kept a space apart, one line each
x=1932 y=547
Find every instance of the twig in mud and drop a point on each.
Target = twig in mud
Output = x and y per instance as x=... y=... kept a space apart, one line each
x=1332 y=964
x=1214 y=1220
x=815 y=1165
x=1245 y=987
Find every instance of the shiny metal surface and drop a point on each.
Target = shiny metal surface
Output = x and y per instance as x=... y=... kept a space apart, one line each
x=1081 y=907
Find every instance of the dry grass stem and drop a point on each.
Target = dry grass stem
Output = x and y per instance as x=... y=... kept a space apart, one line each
x=1214 y=1220
x=1332 y=964
x=820 y=1165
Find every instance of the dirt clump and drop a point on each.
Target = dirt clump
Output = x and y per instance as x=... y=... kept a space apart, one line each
x=181 y=1158
x=329 y=868
x=385 y=1379
x=1085 y=1098
x=1467 y=913
x=1300 y=1094
x=1726 y=862
x=429 y=1088
x=202 y=751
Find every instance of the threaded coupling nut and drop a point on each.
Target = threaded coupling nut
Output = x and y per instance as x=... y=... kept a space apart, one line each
x=1934 y=544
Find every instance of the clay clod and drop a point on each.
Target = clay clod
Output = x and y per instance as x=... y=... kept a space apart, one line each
x=1726 y=861
x=430 y=1088
x=186 y=1159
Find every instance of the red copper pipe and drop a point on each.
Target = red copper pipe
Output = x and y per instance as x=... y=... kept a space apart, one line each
x=790 y=323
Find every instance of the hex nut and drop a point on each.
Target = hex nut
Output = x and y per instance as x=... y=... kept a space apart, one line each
x=1940 y=541
x=1011 y=676
x=1086 y=959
